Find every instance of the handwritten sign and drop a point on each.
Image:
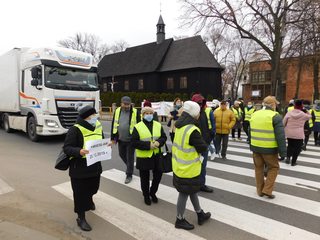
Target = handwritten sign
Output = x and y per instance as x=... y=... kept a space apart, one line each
x=98 y=151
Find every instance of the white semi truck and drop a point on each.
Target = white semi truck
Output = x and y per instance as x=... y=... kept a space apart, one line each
x=42 y=88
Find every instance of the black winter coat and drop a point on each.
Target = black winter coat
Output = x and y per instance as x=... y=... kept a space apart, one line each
x=147 y=163
x=190 y=185
x=72 y=146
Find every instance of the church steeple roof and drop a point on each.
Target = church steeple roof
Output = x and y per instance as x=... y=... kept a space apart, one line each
x=160 y=21
x=161 y=35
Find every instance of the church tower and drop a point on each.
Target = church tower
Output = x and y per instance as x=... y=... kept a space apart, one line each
x=161 y=35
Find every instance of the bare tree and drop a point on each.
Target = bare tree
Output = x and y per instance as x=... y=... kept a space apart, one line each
x=262 y=21
x=234 y=54
x=305 y=43
x=91 y=43
x=119 y=46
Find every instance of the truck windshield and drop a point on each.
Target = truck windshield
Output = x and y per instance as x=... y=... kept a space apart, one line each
x=70 y=79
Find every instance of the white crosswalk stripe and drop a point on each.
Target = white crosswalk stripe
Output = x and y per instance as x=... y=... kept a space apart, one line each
x=130 y=219
x=4 y=187
x=297 y=196
x=255 y=224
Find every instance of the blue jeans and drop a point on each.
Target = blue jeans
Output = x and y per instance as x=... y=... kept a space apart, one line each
x=203 y=168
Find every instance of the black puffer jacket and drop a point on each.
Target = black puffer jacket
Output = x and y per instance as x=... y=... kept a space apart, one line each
x=147 y=163
x=190 y=185
x=72 y=146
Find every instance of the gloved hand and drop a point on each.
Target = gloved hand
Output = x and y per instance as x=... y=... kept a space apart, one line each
x=152 y=146
x=156 y=143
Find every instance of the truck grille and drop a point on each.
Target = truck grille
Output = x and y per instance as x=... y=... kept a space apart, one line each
x=67 y=117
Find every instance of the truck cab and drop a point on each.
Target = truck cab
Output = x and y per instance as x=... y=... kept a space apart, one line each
x=52 y=85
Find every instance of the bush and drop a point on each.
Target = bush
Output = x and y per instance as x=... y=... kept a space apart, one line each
x=107 y=98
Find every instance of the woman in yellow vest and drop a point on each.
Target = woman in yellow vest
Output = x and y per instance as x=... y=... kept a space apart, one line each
x=187 y=147
x=85 y=180
x=148 y=137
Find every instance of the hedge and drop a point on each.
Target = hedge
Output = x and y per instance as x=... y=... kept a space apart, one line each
x=107 y=98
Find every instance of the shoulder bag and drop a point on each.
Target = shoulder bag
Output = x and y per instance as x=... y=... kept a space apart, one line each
x=62 y=162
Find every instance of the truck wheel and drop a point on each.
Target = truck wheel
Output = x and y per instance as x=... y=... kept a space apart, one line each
x=6 y=124
x=32 y=129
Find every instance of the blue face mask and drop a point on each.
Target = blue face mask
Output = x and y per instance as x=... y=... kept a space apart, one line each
x=148 y=117
x=93 y=121
x=178 y=106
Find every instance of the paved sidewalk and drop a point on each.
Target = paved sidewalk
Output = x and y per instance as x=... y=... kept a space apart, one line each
x=10 y=231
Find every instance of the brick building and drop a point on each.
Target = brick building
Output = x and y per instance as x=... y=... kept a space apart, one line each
x=258 y=84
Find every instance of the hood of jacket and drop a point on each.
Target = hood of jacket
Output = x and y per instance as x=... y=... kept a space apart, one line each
x=296 y=114
x=185 y=119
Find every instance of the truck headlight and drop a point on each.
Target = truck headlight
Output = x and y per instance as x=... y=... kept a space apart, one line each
x=51 y=123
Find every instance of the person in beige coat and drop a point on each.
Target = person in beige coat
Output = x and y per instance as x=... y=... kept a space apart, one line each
x=225 y=120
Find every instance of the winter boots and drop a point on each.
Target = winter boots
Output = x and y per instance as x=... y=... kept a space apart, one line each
x=183 y=224
x=202 y=217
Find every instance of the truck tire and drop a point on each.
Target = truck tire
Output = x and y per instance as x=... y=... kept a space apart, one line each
x=32 y=129
x=6 y=124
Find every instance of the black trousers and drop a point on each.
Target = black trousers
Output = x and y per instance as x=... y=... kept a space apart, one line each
x=83 y=190
x=224 y=138
x=245 y=126
x=234 y=132
x=145 y=182
x=294 y=149
x=172 y=136
x=316 y=138
x=126 y=152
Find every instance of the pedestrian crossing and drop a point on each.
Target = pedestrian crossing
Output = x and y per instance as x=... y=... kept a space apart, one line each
x=293 y=214
x=4 y=187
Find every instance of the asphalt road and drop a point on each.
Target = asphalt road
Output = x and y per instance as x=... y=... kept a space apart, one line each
x=34 y=200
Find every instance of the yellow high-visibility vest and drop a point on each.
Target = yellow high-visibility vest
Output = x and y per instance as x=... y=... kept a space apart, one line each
x=310 y=120
x=90 y=135
x=207 y=111
x=290 y=108
x=261 y=129
x=248 y=113
x=238 y=114
x=185 y=159
x=145 y=135
x=317 y=114
x=133 y=120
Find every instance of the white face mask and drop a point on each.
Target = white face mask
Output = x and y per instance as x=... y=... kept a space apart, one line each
x=249 y=106
x=148 y=117
x=92 y=121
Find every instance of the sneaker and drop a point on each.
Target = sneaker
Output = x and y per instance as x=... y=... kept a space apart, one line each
x=219 y=155
x=224 y=158
x=128 y=179
x=271 y=196
x=213 y=156
x=183 y=224
x=287 y=160
x=239 y=139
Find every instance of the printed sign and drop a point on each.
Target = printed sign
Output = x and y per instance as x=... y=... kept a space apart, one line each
x=98 y=151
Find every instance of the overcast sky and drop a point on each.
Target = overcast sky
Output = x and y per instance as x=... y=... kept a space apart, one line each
x=41 y=23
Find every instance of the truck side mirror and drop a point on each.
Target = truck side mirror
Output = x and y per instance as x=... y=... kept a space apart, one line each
x=34 y=82
x=36 y=73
